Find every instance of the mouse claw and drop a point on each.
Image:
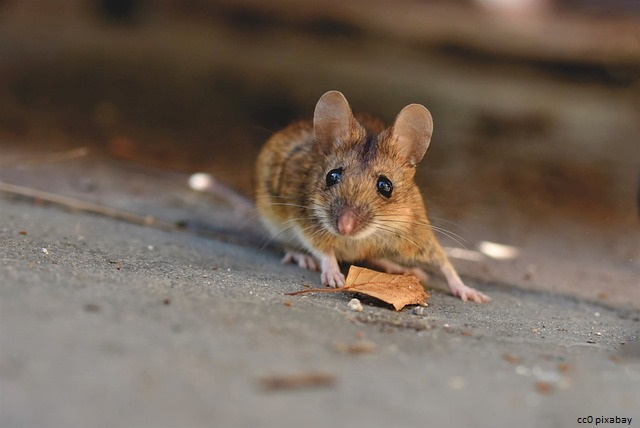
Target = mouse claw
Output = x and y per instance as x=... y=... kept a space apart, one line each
x=333 y=279
x=459 y=289
x=468 y=293
x=331 y=274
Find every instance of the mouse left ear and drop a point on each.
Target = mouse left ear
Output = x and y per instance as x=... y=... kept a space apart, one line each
x=412 y=132
x=332 y=121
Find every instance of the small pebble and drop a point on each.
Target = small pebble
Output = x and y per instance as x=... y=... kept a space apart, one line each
x=418 y=310
x=355 y=305
x=44 y=251
x=200 y=181
x=457 y=383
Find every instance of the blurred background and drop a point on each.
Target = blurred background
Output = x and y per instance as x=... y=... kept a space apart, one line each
x=536 y=106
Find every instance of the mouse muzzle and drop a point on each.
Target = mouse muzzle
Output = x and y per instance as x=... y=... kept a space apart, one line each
x=353 y=222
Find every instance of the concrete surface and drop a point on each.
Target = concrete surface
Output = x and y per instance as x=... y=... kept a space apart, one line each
x=109 y=324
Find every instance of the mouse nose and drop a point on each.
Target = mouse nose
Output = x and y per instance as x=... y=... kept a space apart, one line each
x=347 y=221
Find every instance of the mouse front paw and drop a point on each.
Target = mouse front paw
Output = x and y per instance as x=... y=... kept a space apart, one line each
x=304 y=261
x=331 y=274
x=333 y=279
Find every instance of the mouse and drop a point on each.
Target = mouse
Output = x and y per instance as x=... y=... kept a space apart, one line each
x=340 y=189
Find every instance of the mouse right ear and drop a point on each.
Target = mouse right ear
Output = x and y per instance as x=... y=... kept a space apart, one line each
x=412 y=132
x=332 y=121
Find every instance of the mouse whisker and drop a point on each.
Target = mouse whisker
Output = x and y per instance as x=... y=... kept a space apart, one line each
x=282 y=204
x=446 y=232
x=394 y=231
x=451 y=235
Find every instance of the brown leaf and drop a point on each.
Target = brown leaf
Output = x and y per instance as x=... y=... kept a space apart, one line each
x=362 y=346
x=512 y=359
x=298 y=381
x=543 y=387
x=397 y=290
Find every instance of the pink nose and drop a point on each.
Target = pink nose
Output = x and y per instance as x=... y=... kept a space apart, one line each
x=347 y=222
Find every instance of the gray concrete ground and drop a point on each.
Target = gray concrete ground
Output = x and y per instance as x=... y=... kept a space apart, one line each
x=104 y=323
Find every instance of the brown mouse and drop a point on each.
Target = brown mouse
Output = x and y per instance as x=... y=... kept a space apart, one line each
x=342 y=189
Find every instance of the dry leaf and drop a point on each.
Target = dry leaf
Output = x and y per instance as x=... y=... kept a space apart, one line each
x=362 y=346
x=512 y=359
x=543 y=387
x=397 y=290
x=298 y=381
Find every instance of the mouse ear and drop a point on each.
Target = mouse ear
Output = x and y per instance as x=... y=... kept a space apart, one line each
x=412 y=132
x=332 y=120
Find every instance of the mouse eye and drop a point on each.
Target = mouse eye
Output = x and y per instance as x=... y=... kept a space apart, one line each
x=385 y=187
x=334 y=177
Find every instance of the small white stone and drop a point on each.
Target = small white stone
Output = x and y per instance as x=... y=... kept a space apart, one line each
x=457 y=382
x=355 y=305
x=44 y=251
x=200 y=181
x=418 y=310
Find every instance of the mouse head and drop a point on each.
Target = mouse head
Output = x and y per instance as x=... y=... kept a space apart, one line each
x=365 y=174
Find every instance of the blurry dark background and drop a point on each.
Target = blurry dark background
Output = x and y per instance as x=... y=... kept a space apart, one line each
x=536 y=104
